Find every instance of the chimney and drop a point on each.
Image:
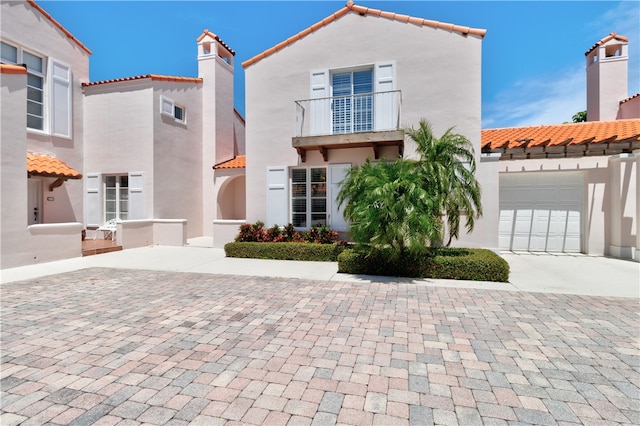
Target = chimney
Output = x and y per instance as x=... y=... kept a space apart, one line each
x=607 y=74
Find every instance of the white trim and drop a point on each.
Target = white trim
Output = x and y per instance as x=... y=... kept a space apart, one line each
x=164 y=101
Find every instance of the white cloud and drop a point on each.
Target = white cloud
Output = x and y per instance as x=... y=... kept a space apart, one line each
x=554 y=98
x=549 y=99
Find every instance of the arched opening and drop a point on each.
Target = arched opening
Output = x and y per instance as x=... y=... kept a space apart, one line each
x=231 y=203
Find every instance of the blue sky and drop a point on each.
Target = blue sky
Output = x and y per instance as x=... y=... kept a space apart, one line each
x=533 y=63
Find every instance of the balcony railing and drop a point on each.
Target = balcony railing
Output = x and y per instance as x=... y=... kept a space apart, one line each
x=369 y=112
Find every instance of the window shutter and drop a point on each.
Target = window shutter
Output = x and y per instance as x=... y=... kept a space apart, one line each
x=277 y=201
x=137 y=202
x=166 y=106
x=93 y=199
x=320 y=105
x=386 y=108
x=337 y=173
x=60 y=80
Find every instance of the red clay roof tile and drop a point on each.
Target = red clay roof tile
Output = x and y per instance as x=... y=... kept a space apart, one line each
x=570 y=134
x=629 y=98
x=611 y=36
x=239 y=162
x=209 y=33
x=45 y=165
x=154 y=77
x=60 y=27
x=352 y=7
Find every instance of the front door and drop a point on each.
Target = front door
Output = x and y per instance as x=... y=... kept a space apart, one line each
x=34 y=201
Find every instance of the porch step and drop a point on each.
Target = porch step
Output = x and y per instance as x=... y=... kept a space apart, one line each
x=92 y=251
x=91 y=247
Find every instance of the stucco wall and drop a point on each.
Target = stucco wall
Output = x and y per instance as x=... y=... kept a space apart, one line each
x=177 y=157
x=630 y=109
x=13 y=161
x=437 y=71
x=119 y=132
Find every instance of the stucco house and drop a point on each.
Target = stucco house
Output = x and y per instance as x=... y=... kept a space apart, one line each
x=152 y=142
x=42 y=137
x=313 y=110
x=560 y=188
x=76 y=154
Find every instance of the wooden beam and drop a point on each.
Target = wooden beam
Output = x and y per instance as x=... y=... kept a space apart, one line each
x=302 y=153
x=56 y=183
x=325 y=153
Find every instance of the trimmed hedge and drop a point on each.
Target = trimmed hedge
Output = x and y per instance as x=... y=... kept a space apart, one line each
x=439 y=263
x=285 y=251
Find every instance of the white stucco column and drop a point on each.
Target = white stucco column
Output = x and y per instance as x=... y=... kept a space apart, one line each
x=624 y=208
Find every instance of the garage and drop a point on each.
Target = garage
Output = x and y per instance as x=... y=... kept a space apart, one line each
x=541 y=212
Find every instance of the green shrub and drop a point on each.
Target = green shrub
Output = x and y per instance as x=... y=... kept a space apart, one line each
x=438 y=263
x=285 y=251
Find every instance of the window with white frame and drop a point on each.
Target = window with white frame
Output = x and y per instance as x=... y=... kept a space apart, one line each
x=35 y=82
x=352 y=109
x=309 y=197
x=56 y=90
x=169 y=107
x=116 y=197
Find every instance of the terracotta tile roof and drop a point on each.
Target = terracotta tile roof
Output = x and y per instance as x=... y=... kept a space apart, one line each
x=12 y=69
x=219 y=40
x=239 y=162
x=611 y=36
x=629 y=98
x=352 y=7
x=45 y=165
x=60 y=27
x=577 y=137
x=154 y=77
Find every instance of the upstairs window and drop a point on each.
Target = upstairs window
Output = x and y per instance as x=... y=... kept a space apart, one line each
x=48 y=90
x=35 y=82
x=169 y=107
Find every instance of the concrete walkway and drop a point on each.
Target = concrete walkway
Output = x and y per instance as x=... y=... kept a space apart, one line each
x=562 y=273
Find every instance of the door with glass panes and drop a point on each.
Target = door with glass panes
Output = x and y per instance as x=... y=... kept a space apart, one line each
x=352 y=106
x=116 y=197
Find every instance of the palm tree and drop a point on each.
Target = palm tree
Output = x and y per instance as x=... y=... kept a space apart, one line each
x=390 y=206
x=404 y=205
x=448 y=163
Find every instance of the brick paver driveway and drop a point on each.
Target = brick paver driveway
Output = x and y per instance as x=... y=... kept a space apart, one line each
x=127 y=347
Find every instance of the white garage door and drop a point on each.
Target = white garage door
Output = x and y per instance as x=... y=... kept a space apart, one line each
x=541 y=212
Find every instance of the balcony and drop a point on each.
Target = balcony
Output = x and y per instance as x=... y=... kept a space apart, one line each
x=354 y=121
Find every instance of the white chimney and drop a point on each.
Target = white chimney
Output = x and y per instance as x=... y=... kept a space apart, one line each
x=607 y=74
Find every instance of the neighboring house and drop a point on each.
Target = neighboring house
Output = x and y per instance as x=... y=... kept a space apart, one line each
x=141 y=150
x=41 y=136
x=152 y=141
x=316 y=105
x=576 y=187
